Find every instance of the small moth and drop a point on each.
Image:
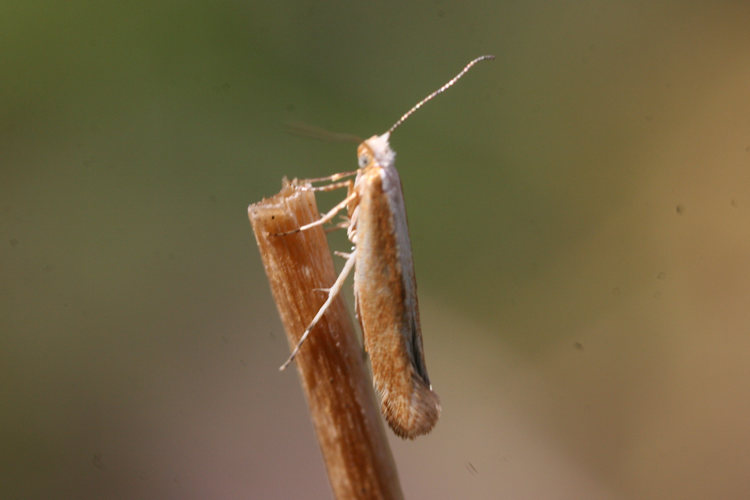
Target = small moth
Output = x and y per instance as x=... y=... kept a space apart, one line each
x=385 y=288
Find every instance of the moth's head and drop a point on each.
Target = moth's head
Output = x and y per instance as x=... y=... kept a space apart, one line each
x=376 y=151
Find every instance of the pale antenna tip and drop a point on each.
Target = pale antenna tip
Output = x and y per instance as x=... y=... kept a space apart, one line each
x=442 y=89
x=286 y=363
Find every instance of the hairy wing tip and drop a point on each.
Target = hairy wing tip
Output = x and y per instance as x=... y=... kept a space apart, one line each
x=415 y=417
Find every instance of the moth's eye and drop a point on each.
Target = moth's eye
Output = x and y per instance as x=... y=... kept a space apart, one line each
x=364 y=160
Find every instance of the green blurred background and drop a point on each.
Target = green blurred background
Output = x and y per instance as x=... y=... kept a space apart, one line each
x=579 y=210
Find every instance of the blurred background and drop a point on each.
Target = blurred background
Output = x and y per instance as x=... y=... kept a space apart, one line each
x=579 y=211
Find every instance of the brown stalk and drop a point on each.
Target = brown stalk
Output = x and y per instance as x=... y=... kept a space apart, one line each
x=330 y=364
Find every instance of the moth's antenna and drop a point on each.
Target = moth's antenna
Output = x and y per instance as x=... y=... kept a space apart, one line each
x=438 y=91
x=304 y=130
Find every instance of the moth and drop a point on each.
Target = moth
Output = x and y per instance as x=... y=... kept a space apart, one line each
x=385 y=288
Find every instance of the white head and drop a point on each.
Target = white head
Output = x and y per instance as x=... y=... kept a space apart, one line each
x=381 y=151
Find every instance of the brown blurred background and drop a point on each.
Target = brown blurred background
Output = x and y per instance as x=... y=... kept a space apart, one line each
x=579 y=209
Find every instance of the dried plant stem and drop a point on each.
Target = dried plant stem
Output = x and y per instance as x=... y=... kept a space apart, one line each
x=335 y=380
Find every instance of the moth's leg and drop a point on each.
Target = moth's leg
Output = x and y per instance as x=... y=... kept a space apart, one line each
x=345 y=255
x=340 y=225
x=332 y=186
x=332 y=292
x=330 y=178
x=328 y=216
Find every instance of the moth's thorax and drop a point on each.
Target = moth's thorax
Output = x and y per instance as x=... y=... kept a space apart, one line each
x=374 y=155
